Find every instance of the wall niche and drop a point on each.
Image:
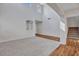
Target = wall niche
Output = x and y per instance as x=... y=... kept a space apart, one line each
x=29 y=24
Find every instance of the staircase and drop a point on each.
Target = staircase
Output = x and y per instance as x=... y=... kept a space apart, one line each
x=73 y=32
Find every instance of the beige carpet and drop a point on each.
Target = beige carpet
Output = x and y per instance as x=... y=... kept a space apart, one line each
x=28 y=47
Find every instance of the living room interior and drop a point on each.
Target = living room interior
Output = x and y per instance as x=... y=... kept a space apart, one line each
x=39 y=29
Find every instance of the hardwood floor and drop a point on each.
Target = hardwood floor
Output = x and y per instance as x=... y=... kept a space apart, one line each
x=71 y=48
x=64 y=50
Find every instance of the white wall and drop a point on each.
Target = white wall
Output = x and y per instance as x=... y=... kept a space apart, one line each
x=13 y=17
x=38 y=27
x=12 y=21
x=63 y=34
x=57 y=8
x=73 y=22
x=63 y=28
x=50 y=27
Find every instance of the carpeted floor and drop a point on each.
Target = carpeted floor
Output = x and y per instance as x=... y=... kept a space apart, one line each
x=34 y=46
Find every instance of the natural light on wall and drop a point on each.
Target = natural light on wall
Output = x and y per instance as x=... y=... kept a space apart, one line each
x=62 y=26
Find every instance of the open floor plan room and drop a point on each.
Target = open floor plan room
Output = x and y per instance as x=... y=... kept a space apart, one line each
x=39 y=29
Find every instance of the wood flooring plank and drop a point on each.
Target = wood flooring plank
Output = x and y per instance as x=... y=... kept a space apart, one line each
x=71 y=48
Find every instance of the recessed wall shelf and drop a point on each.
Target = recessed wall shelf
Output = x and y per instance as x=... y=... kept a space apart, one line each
x=29 y=24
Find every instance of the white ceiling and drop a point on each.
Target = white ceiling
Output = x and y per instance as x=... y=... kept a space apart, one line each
x=70 y=9
x=67 y=9
x=69 y=6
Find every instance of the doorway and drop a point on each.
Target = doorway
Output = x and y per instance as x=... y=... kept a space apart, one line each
x=38 y=27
